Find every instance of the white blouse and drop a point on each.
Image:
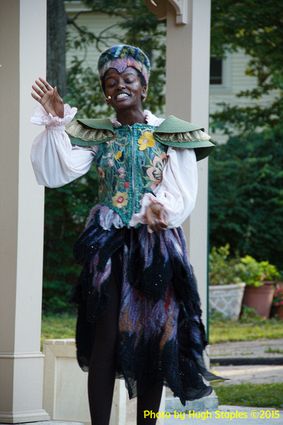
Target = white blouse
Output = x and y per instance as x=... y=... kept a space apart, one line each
x=56 y=162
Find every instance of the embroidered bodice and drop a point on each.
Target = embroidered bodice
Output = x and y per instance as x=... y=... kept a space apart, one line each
x=129 y=166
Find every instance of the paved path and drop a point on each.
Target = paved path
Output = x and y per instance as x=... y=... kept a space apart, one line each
x=268 y=348
x=256 y=374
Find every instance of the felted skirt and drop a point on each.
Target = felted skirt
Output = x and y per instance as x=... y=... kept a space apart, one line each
x=161 y=336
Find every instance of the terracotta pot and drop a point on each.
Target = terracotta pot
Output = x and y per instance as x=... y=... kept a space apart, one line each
x=278 y=311
x=260 y=298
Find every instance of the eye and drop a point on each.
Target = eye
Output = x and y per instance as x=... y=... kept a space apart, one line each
x=110 y=83
x=130 y=80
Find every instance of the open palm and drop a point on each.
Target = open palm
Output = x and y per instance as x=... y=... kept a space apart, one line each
x=48 y=97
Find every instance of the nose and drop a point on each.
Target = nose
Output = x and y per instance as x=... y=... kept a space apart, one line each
x=121 y=84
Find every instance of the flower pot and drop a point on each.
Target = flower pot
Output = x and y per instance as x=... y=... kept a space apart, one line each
x=278 y=311
x=227 y=299
x=260 y=298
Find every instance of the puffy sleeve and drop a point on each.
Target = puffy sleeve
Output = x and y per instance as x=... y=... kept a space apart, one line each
x=55 y=161
x=177 y=191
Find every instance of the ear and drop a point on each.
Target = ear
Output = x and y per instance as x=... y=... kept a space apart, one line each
x=144 y=92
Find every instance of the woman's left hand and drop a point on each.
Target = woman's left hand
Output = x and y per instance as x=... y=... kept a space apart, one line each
x=156 y=217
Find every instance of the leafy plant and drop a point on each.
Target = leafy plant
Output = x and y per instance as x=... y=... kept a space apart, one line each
x=246 y=196
x=254 y=272
x=222 y=269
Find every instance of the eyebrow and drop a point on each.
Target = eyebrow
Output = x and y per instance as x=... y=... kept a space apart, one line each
x=113 y=76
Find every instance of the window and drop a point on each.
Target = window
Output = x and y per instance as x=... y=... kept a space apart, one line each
x=216 y=71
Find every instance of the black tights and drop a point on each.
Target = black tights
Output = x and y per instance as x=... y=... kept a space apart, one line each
x=101 y=376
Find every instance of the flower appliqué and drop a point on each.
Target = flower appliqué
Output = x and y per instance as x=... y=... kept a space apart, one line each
x=101 y=172
x=118 y=155
x=146 y=141
x=155 y=171
x=120 y=199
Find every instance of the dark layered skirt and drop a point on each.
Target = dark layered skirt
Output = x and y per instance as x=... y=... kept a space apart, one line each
x=161 y=333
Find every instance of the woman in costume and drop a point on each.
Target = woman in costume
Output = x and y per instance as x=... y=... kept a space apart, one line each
x=139 y=312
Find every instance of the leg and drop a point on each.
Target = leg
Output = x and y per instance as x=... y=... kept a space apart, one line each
x=101 y=376
x=149 y=400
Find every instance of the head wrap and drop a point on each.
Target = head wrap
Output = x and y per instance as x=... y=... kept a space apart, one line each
x=122 y=56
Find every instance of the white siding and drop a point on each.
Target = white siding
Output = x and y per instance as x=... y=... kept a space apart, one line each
x=95 y=23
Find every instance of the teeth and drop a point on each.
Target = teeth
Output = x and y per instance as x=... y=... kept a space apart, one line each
x=122 y=95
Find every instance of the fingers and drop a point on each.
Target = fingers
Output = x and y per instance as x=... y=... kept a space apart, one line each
x=156 y=218
x=37 y=90
x=41 y=87
x=46 y=84
x=37 y=98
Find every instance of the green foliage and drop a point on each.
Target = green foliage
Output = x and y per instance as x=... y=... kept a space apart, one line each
x=258 y=31
x=255 y=273
x=222 y=269
x=250 y=315
x=65 y=211
x=246 y=196
x=85 y=92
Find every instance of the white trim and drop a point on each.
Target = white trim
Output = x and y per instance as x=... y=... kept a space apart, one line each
x=76 y=6
x=26 y=355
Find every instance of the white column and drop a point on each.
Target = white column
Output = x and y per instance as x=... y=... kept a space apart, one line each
x=187 y=96
x=23 y=58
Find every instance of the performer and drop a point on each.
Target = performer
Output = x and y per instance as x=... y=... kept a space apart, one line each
x=139 y=311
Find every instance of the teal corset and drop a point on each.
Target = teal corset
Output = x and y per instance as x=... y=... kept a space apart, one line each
x=130 y=159
x=129 y=165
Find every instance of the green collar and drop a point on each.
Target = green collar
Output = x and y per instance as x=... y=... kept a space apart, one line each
x=98 y=123
x=171 y=124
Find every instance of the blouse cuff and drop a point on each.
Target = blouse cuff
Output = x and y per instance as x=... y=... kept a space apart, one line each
x=147 y=199
x=41 y=117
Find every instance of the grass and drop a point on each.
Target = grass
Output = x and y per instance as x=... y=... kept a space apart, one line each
x=58 y=326
x=273 y=350
x=255 y=395
x=248 y=328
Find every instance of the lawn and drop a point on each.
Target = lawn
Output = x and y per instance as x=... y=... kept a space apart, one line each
x=58 y=326
x=250 y=327
x=255 y=395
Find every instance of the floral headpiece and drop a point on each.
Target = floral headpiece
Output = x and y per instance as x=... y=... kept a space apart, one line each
x=120 y=57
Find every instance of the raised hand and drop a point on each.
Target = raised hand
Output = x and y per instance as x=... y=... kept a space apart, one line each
x=155 y=217
x=48 y=97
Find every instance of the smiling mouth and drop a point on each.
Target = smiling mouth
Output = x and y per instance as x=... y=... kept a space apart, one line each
x=122 y=96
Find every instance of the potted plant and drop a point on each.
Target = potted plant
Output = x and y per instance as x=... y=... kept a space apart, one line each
x=225 y=287
x=260 y=278
x=277 y=302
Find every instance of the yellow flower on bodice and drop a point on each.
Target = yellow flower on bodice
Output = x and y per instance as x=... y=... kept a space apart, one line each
x=146 y=140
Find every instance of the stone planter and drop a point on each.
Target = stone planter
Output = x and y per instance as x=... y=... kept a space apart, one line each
x=260 y=298
x=227 y=299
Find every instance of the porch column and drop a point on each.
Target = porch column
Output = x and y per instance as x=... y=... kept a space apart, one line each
x=23 y=58
x=187 y=96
